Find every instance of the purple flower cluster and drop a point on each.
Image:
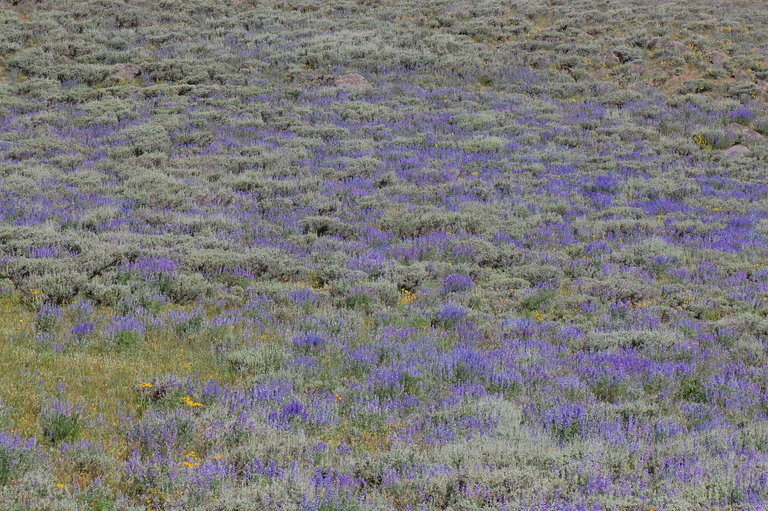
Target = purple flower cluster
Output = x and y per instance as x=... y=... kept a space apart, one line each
x=124 y=330
x=82 y=330
x=308 y=341
x=457 y=282
x=17 y=455
x=153 y=268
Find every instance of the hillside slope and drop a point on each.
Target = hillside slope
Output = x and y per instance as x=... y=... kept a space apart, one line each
x=383 y=255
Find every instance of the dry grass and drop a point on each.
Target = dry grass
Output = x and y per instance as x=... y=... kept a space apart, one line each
x=104 y=382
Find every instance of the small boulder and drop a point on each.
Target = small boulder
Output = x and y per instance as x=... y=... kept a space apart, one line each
x=125 y=71
x=637 y=68
x=350 y=81
x=718 y=58
x=744 y=132
x=346 y=81
x=675 y=47
x=742 y=75
x=737 y=150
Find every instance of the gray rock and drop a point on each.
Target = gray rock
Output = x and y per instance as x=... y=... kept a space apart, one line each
x=637 y=68
x=350 y=81
x=125 y=71
x=737 y=150
x=346 y=81
x=744 y=132
x=312 y=79
x=675 y=47
x=718 y=58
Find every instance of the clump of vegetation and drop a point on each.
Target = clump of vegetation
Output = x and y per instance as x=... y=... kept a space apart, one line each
x=60 y=420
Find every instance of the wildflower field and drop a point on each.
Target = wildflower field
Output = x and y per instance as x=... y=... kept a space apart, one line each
x=383 y=255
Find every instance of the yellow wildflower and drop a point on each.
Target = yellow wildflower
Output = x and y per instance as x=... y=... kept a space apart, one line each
x=191 y=459
x=407 y=296
x=189 y=402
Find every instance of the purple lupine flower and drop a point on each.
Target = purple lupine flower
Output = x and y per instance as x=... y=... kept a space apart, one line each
x=451 y=314
x=605 y=183
x=124 y=330
x=82 y=310
x=457 y=282
x=269 y=469
x=154 y=267
x=60 y=420
x=47 y=317
x=371 y=262
x=308 y=341
x=566 y=421
x=742 y=115
x=44 y=252
x=293 y=409
x=17 y=455
x=82 y=330
x=303 y=295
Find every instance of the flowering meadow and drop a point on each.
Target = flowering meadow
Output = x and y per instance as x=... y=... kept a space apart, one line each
x=383 y=255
